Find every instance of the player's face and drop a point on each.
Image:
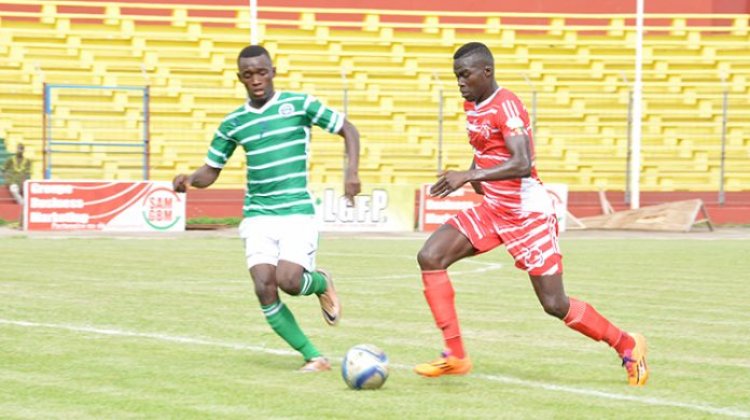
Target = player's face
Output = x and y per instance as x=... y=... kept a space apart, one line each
x=256 y=73
x=474 y=78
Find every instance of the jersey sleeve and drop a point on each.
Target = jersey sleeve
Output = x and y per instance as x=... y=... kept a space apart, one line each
x=322 y=116
x=513 y=118
x=222 y=146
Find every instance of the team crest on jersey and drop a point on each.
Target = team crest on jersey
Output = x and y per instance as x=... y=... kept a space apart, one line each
x=286 y=110
x=484 y=130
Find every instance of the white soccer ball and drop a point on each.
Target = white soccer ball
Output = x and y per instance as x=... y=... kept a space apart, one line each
x=365 y=367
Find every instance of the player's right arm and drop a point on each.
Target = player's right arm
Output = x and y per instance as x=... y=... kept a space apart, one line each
x=201 y=178
x=221 y=149
x=477 y=185
x=512 y=122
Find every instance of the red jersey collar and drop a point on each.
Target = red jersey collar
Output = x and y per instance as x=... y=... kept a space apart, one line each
x=488 y=100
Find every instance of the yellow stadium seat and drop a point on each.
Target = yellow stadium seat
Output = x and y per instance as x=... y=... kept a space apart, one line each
x=393 y=79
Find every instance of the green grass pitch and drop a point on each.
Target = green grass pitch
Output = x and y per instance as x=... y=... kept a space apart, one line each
x=170 y=328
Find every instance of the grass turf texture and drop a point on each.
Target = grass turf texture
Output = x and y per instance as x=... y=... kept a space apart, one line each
x=171 y=328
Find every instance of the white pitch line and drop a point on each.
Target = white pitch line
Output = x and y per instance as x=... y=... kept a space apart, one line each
x=493 y=378
x=154 y=336
x=622 y=397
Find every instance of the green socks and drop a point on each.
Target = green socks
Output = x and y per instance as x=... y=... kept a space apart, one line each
x=312 y=283
x=282 y=321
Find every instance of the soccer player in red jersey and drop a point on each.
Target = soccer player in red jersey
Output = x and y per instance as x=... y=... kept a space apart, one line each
x=516 y=212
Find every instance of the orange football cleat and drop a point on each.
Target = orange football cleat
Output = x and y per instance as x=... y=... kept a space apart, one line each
x=329 y=301
x=445 y=365
x=316 y=364
x=634 y=362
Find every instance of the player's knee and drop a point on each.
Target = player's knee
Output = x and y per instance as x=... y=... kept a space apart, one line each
x=265 y=288
x=288 y=283
x=556 y=306
x=428 y=259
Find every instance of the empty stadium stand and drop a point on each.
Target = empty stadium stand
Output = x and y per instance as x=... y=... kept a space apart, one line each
x=393 y=71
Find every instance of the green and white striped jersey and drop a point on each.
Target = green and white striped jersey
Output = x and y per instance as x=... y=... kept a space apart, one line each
x=276 y=141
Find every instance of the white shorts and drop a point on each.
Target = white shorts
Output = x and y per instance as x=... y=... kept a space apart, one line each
x=269 y=239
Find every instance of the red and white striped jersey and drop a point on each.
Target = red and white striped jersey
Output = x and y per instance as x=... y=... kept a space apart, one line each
x=488 y=124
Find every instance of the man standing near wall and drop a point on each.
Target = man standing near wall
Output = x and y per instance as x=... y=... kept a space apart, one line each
x=17 y=169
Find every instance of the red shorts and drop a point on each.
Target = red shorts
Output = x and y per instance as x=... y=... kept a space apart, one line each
x=531 y=238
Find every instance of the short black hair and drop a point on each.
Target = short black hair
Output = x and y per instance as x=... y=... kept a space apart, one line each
x=474 y=48
x=253 y=51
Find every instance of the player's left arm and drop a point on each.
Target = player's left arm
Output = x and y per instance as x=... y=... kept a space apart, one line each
x=352 y=184
x=335 y=123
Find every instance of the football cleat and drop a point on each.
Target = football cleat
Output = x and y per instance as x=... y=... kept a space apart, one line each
x=444 y=365
x=316 y=364
x=634 y=362
x=329 y=301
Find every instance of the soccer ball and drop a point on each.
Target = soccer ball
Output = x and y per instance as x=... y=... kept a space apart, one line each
x=365 y=367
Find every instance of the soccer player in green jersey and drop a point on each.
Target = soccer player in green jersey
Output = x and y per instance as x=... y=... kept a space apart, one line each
x=273 y=129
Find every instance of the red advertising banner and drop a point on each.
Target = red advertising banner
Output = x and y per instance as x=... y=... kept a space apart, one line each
x=433 y=211
x=145 y=206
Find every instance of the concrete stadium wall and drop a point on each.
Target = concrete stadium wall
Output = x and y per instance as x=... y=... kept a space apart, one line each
x=217 y=203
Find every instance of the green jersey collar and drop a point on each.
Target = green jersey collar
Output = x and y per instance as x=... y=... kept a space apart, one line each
x=265 y=106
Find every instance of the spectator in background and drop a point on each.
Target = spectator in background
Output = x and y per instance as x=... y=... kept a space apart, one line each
x=17 y=169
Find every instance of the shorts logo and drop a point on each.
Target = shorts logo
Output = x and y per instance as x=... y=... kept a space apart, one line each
x=533 y=258
x=286 y=110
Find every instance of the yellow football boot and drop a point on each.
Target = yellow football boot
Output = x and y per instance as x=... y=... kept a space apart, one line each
x=444 y=365
x=329 y=301
x=634 y=361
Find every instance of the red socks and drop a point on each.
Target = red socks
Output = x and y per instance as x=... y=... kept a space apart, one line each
x=583 y=318
x=439 y=293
